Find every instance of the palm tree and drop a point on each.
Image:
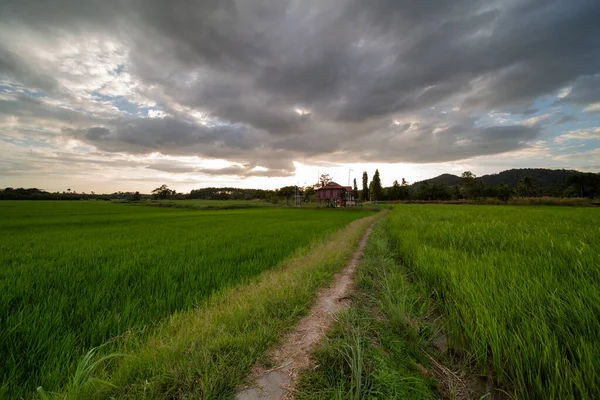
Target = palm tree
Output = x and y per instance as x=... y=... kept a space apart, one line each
x=526 y=186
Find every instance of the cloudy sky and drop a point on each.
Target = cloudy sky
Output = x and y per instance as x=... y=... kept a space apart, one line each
x=126 y=95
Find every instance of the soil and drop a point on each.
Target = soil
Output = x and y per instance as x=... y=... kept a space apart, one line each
x=294 y=353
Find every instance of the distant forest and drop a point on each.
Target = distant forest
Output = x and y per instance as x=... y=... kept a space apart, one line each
x=530 y=182
x=524 y=182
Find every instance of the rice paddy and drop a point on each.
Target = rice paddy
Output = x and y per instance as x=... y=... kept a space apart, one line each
x=518 y=288
x=74 y=275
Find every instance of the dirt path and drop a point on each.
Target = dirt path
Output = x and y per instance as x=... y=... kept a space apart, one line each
x=293 y=354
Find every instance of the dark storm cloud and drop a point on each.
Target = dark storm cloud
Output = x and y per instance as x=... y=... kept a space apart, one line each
x=146 y=135
x=456 y=142
x=306 y=80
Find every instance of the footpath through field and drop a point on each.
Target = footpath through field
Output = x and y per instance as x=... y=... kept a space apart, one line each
x=294 y=353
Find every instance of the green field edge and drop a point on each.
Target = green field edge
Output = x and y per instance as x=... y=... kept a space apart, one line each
x=508 y=341
x=208 y=352
x=207 y=205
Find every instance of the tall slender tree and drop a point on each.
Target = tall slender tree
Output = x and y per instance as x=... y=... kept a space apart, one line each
x=365 y=187
x=377 y=189
x=355 y=190
x=469 y=185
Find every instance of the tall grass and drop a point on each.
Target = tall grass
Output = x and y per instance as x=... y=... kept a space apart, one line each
x=74 y=275
x=206 y=353
x=519 y=288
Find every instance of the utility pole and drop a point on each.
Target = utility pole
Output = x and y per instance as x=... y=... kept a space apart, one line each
x=348 y=193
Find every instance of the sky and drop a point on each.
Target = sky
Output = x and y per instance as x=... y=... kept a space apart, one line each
x=126 y=95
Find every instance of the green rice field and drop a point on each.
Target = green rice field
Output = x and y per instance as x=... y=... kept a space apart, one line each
x=74 y=275
x=519 y=289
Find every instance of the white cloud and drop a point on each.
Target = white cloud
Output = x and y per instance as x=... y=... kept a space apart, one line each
x=536 y=120
x=564 y=92
x=592 y=155
x=157 y=114
x=579 y=134
x=593 y=108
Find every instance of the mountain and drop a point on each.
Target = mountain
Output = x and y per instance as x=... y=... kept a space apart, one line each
x=448 y=179
x=550 y=182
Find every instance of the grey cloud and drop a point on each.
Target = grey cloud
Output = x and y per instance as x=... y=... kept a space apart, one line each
x=172 y=168
x=234 y=170
x=15 y=68
x=144 y=135
x=458 y=142
x=585 y=90
x=97 y=133
x=34 y=110
x=244 y=172
x=351 y=68
x=529 y=111
x=566 y=118
x=407 y=50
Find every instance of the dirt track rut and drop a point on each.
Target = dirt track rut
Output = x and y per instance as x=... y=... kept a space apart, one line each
x=294 y=353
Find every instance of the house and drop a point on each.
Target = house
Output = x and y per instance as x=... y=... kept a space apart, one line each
x=335 y=195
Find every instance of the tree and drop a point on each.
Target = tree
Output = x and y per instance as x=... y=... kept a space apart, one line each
x=440 y=191
x=424 y=192
x=162 y=192
x=355 y=190
x=526 y=186
x=503 y=192
x=309 y=193
x=470 y=188
x=288 y=192
x=324 y=180
x=456 y=192
x=365 y=187
x=584 y=184
x=468 y=175
x=396 y=191
x=136 y=196
x=404 y=190
x=377 y=189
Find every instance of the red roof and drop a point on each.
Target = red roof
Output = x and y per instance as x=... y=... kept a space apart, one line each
x=333 y=185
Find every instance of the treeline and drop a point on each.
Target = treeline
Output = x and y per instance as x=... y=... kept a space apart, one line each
x=213 y=193
x=469 y=187
x=40 y=194
x=548 y=182
x=503 y=186
x=160 y=193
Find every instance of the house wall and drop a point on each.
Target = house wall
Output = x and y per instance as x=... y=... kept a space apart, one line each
x=330 y=194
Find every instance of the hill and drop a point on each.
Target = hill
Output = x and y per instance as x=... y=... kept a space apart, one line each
x=448 y=179
x=550 y=182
